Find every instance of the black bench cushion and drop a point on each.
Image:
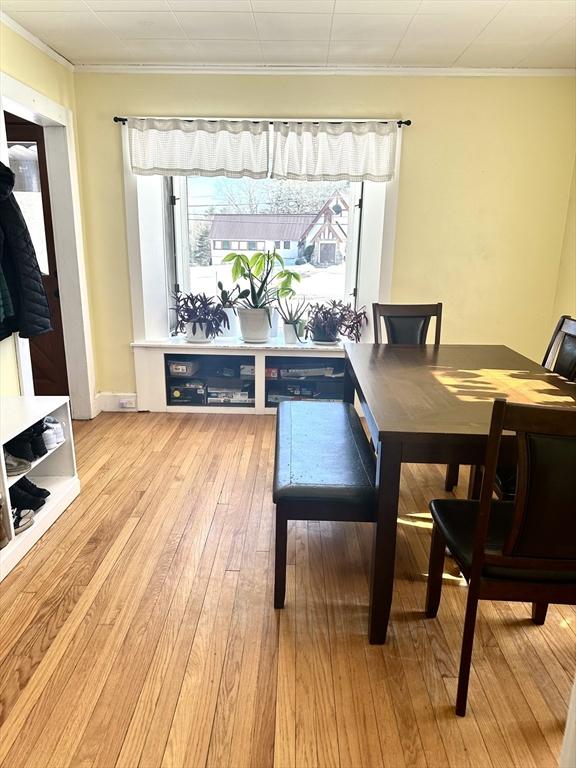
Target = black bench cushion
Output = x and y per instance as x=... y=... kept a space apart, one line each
x=322 y=454
x=457 y=519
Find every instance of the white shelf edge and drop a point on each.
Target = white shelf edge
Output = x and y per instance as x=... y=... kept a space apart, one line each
x=21 y=412
x=63 y=490
x=13 y=479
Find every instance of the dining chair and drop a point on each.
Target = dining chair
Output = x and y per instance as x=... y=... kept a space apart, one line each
x=560 y=355
x=523 y=550
x=560 y=358
x=406 y=323
x=409 y=324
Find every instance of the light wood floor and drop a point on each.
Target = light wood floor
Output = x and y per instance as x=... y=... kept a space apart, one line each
x=140 y=631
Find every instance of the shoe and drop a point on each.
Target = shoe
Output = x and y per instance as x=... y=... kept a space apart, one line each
x=29 y=487
x=22 y=500
x=49 y=437
x=38 y=446
x=23 y=519
x=20 y=446
x=54 y=424
x=14 y=465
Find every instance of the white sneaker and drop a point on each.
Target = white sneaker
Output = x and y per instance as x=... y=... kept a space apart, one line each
x=49 y=437
x=51 y=422
x=23 y=519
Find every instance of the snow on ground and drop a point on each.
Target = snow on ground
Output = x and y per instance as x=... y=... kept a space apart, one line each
x=317 y=283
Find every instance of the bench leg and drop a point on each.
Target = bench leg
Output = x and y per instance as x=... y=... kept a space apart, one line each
x=280 y=558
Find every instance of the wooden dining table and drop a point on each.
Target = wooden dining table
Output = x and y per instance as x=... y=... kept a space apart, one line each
x=433 y=405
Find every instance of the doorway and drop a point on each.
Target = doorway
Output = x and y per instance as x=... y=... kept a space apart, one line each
x=27 y=159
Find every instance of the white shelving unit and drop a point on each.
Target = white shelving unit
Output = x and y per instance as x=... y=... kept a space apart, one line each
x=56 y=471
x=150 y=368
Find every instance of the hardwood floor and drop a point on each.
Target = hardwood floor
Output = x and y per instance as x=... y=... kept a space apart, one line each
x=140 y=631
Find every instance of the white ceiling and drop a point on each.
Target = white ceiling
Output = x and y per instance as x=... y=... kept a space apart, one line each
x=323 y=34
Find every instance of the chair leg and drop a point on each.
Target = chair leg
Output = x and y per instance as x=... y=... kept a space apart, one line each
x=280 y=559
x=435 y=570
x=466 y=654
x=451 y=481
x=475 y=482
x=539 y=612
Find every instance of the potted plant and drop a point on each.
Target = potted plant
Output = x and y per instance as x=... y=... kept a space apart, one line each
x=292 y=315
x=265 y=286
x=326 y=322
x=200 y=316
x=229 y=301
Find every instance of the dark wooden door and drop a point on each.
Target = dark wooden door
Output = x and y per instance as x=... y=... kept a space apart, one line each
x=27 y=156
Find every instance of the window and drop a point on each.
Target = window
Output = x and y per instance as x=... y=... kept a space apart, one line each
x=313 y=225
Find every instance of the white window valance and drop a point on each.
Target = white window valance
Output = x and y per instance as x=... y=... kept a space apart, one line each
x=334 y=151
x=232 y=148
x=307 y=151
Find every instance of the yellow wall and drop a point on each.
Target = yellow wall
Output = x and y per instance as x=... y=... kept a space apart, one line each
x=485 y=179
x=25 y=62
x=565 y=300
x=484 y=187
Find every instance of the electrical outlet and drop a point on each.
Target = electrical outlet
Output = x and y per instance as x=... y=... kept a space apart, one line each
x=127 y=403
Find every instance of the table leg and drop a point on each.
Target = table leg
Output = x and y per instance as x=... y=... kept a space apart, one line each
x=475 y=482
x=384 y=551
x=348 y=395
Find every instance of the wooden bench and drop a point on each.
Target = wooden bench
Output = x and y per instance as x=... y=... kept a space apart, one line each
x=324 y=470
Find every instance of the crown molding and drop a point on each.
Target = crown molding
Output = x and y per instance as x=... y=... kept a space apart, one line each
x=185 y=69
x=8 y=21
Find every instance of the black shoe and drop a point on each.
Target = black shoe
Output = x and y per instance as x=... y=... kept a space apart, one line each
x=28 y=486
x=21 y=447
x=38 y=446
x=23 y=500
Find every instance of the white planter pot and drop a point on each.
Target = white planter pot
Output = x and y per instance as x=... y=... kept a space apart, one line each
x=290 y=336
x=274 y=319
x=254 y=325
x=234 y=330
x=196 y=338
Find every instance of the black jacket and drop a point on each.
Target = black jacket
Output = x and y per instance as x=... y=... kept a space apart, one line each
x=29 y=312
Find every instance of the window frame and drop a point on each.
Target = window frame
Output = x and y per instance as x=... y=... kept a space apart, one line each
x=374 y=264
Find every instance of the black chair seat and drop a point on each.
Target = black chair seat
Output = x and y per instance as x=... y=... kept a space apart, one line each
x=322 y=455
x=457 y=520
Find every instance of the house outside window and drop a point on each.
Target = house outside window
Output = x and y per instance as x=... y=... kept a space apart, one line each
x=311 y=224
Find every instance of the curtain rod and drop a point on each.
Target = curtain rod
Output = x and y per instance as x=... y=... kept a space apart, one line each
x=399 y=123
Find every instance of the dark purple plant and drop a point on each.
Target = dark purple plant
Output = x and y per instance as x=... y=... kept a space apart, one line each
x=334 y=318
x=202 y=311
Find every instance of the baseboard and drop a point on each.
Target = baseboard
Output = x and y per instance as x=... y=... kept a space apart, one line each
x=112 y=401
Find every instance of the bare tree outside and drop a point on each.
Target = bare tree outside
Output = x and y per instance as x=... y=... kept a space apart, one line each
x=306 y=222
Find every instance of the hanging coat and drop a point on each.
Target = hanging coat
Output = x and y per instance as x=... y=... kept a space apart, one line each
x=27 y=311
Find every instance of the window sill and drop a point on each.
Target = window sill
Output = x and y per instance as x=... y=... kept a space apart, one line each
x=179 y=342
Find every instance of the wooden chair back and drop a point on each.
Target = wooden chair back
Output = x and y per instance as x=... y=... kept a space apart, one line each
x=560 y=356
x=406 y=323
x=543 y=532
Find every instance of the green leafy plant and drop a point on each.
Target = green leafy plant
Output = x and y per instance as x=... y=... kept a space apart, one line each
x=230 y=299
x=202 y=311
x=328 y=321
x=267 y=277
x=293 y=314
